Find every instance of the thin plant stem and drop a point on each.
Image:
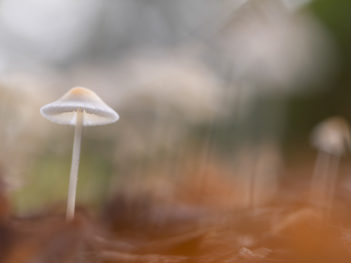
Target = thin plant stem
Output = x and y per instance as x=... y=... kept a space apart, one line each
x=71 y=200
x=332 y=184
x=320 y=179
x=253 y=181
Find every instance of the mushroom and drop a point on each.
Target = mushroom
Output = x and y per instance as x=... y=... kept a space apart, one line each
x=331 y=137
x=78 y=107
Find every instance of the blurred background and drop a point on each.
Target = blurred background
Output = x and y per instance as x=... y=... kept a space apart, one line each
x=217 y=99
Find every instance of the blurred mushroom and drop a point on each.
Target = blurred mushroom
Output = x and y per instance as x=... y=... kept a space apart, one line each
x=21 y=127
x=258 y=169
x=39 y=36
x=331 y=138
x=270 y=47
x=78 y=107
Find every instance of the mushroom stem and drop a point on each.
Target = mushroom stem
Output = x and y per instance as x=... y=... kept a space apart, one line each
x=71 y=200
x=332 y=184
x=320 y=179
x=324 y=181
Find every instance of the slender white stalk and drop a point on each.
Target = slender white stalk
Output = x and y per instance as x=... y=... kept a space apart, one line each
x=319 y=183
x=332 y=183
x=71 y=200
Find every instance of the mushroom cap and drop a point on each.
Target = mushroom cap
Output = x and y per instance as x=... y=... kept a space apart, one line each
x=332 y=136
x=64 y=110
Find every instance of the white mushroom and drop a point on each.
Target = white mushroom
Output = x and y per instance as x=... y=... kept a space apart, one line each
x=78 y=107
x=332 y=138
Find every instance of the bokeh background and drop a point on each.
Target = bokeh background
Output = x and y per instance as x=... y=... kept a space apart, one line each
x=210 y=93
